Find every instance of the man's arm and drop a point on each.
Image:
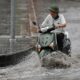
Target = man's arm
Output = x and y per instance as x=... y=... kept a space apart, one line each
x=46 y=21
x=63 y=22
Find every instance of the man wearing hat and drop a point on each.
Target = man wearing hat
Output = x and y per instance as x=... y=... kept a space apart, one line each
x=56 y=19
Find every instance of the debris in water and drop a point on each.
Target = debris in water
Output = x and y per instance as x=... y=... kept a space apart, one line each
x=56 y=60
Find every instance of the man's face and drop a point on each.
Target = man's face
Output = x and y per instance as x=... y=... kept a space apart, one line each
x=53 y=14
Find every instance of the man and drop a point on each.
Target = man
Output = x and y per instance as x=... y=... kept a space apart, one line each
x=56 y=19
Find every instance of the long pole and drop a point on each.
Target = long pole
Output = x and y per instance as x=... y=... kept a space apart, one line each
x=12 y=30
x=33 y=17
x=13 y=11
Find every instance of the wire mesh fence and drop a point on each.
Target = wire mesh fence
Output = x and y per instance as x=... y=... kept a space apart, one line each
x=21 y=27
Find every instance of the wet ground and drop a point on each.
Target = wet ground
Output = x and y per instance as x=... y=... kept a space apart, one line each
x=30 y=69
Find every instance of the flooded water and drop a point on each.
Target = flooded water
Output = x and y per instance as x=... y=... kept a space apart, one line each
x=30 y=68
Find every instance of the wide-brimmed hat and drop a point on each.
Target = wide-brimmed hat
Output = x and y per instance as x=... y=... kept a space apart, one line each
x=54 y=9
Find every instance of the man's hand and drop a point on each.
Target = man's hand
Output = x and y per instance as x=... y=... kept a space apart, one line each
x=61 y=26
x=40 y=31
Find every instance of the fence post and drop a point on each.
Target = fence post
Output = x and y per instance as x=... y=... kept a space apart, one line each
x=13 y=24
